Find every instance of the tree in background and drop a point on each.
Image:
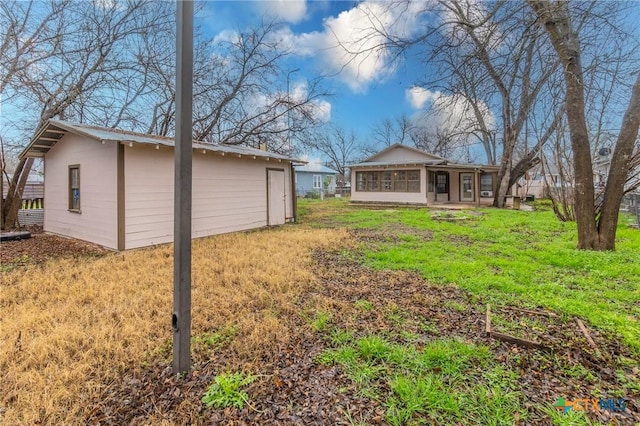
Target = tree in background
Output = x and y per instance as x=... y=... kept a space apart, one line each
x=341 y=147
x=488 y=54
x=112 y=64
x=596 y=227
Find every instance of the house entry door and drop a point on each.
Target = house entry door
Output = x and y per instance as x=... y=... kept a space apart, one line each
x=276 y=211
x=442 y=186
x=466 y=187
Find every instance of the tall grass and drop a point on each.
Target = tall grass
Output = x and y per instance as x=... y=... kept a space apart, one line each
x=70 y=326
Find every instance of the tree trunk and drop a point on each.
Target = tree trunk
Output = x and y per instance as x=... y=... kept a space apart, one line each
x=557 y=22
x=18 y=182
x=618 y=172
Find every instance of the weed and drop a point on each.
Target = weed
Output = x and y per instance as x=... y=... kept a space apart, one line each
x=339 y=337
x=321 y=321
x=429 y=327
x=227 y=392
x=456 y=306
x=396 y=316
x=364 y=305
x=218 y=339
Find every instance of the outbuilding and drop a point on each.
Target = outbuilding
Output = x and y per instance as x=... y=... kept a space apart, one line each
x=116 y=188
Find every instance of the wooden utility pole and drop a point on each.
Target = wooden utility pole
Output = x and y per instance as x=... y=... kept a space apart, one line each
x=181 y=319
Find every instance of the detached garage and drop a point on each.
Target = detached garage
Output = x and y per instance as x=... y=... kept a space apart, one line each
x=115 y=188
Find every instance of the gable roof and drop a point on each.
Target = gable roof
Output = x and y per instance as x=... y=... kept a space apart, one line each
x=53 y=130
x=315 y=168
x=395 y=146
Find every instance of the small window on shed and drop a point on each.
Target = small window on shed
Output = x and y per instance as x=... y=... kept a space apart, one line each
x=74 y=188
x=317 y=181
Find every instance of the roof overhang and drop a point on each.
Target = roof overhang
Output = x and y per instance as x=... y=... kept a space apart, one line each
x=54 y=130
x=391 y=164
x=45 y=138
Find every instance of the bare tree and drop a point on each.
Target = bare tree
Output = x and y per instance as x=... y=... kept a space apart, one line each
x=391 y=131
x=595 y=231
x=82 y=77
x=341 y=147
x=111 y=63
x=489 y=53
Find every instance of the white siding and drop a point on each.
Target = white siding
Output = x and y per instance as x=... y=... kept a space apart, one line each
x=390 y=197
x=229 y=194
x=98 y=202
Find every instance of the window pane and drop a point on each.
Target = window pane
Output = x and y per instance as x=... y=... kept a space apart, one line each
x=373 y=183
x=486 y=182
x=74 y=188
x=75 y=178
x=414 y=186
x=360 y=181
x=387 y=181
x=413 y=174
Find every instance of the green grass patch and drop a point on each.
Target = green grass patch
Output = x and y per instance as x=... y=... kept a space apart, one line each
x=448 y=381
x=364 y=305
x=216 y=339
x=508 y=257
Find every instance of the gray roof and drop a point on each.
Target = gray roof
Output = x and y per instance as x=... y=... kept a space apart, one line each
x=398 y=163
x=54 y=130
x=315 y=168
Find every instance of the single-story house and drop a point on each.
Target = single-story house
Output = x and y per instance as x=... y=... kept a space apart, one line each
x=314 y=177
x=401 y=174
x=535 y=183
x=116 y=188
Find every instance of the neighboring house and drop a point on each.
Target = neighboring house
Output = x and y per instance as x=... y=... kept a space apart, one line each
x=401 y=174
x=31 y=211
x=535 y=184
x=312 y=178
x=116 y=188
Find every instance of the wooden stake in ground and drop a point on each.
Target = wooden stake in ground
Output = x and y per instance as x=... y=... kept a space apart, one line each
x=506 y=337
x=587 y=336
x=488 y=321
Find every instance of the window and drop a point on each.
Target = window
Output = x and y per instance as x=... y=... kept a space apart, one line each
x=317 y=181
x=388 y=181
x=486 y=183
x=74 y=188
x=442 y=182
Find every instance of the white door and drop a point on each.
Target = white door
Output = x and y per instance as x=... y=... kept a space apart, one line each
x=275 y=197
x=466 y=187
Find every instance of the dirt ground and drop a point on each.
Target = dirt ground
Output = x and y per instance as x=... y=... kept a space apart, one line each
x=293 y=389
x=42 y=247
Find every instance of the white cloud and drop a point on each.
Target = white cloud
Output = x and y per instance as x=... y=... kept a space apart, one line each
x=305 y=44
x=351 y=45
x=356 y=44
x=292 y=11
x=319 y=109
x=418 y=96
x=451 y=115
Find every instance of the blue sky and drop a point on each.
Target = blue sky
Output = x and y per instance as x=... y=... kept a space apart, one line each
x=364 y=93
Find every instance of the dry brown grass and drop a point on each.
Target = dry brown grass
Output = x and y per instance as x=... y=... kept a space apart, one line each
x=71 y=326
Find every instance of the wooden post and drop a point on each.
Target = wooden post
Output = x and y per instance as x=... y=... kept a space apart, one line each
x=181 y=318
